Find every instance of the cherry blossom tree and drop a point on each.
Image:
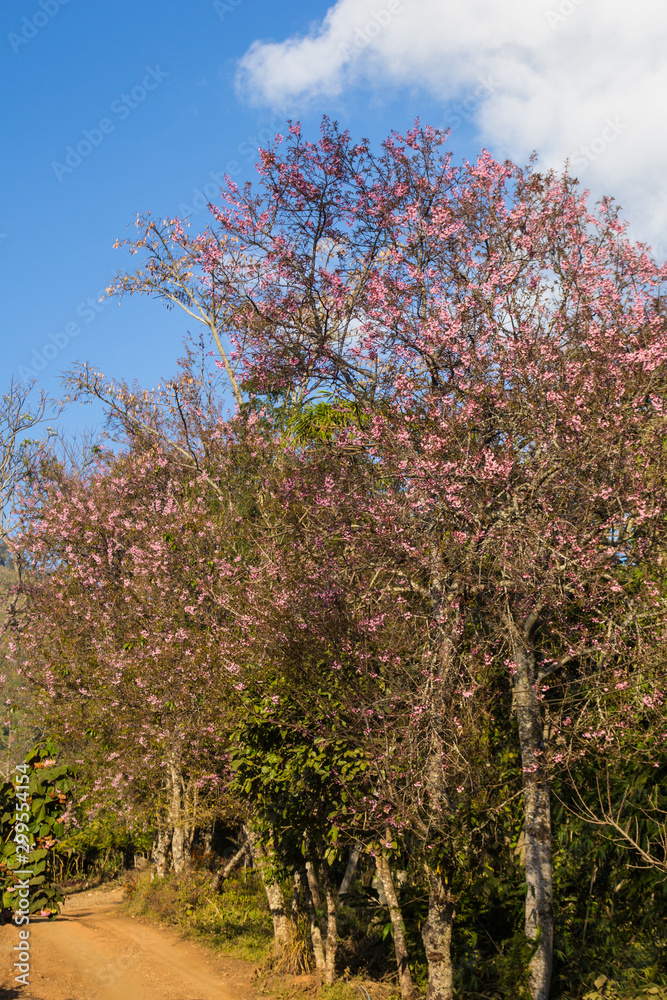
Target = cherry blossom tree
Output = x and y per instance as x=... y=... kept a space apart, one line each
x=328 y=601
x=503 y=347
x=121 y=606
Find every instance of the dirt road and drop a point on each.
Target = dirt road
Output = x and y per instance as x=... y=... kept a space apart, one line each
x=95 y=952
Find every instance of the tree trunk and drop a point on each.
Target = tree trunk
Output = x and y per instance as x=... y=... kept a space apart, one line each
x=178 y=849
x=312 y=882
x=315 y=933
x=437 y=938
x=400 y=945
x=227 y=867
x=437 y=931
x=274 y=893
x=539 y=886
x=332 y=929
x=351 y=869
x=281 y=928
x=161 y=851
x=207 y=839
x=296 y=897
x=179 y=840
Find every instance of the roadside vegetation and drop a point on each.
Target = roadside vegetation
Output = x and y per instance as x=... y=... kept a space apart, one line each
x=235 y=921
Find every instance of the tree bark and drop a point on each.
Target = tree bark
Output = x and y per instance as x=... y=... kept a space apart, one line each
x=227 y=867
x=312 y=882
x=537 y=811
x=332 y=929
x=315 y=933
x=437 y=931
x=161 y=851
x=207 y=839
x=179 y=840
x=400 y=945
x=437 y=938
x=274 y=893
x=351 y=869
x=178 y=849
x=296 y=897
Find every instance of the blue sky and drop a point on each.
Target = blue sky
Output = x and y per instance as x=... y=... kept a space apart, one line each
x=161 y=97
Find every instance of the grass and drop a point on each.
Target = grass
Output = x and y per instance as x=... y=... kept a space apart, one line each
x=344 y=989
x=235 y=922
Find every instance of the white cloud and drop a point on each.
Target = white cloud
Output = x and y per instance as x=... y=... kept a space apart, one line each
x=584 y=79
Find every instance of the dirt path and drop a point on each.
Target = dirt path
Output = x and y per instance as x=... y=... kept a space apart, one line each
x=95 y=952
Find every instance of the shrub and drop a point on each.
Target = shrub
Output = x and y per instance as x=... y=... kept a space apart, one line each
x=236 y=921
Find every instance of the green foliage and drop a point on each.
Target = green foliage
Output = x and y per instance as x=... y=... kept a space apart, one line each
x=105 y=832
x=609 y=989
x=98 y=846
x=512 y=966
x=611 y=915
x=296 y=777
x=34 y=811
x=320 y=421
x=236 y=921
